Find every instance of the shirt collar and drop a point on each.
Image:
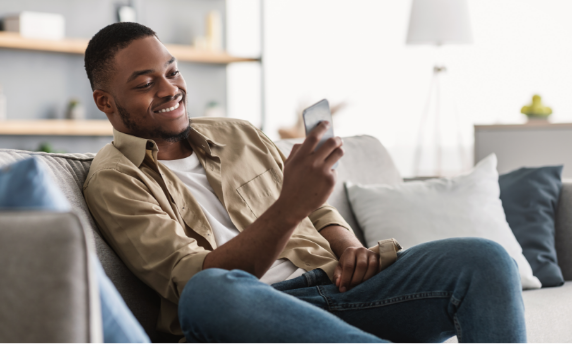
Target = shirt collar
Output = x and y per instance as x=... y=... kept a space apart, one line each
x=196 y=138
x=134 y=148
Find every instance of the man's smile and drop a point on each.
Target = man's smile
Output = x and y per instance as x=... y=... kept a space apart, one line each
x=171 y=105
x=170 y=109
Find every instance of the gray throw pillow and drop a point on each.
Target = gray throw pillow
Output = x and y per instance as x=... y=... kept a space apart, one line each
x=530 y=197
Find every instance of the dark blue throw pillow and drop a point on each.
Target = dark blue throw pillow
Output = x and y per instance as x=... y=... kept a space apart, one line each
x=26 y=185
x=529 y=198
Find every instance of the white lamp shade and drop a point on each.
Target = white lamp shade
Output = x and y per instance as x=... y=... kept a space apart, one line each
x=439 y=22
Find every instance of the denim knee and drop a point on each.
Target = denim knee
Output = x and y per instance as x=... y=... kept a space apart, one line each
x=487 y=258
x=211 y=282
x=205 y=293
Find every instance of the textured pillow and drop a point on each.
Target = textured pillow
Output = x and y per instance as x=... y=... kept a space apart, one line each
x=418 y=212
x=26 y=185
x=529 y=197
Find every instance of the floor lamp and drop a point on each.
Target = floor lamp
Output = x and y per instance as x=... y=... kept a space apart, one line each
x=437 y=22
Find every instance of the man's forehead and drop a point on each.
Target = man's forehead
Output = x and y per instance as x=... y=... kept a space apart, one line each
x=141 y=54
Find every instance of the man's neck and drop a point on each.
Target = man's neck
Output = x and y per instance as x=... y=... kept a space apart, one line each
x=174 y=150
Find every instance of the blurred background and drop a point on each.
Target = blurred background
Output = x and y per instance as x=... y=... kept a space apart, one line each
x=437 y=103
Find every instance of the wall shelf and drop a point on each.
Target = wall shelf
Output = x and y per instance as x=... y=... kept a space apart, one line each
x=56 y=127
x=77 y=46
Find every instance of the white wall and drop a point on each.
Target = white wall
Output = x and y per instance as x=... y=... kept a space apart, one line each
x=354 y=51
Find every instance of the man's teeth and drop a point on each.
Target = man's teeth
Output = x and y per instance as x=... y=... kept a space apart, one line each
x=170 y=109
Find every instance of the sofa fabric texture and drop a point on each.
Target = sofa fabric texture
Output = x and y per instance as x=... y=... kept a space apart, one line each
x=530 y=197
x=563 y=234
x=365 y=161
x=45 y=253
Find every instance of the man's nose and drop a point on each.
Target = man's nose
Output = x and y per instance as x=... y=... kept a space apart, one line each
x=167 y=89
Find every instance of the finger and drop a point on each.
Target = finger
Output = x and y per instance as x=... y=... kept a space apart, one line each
x=337 y=273
x=360 y=269
x=294 y=151
x=336 y=155
x=328 y=147
x=348 y=265
x=314 y=137
x=372 y=267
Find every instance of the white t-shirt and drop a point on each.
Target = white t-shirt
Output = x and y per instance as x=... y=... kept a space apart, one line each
x=192 y=174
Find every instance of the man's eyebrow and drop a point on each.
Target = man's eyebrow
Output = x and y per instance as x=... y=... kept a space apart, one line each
x=139 y=73
x=147 y=71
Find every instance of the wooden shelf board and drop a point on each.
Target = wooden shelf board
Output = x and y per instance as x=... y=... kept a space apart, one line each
x=56 y=127
x=77 y=46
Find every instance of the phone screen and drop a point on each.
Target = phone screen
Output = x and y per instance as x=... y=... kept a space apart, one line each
x=314 y=115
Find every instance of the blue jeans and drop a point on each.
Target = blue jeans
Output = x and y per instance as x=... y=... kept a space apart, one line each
x=467 y=287
x=119 y=324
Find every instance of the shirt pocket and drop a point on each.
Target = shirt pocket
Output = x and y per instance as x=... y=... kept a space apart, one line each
x=261 y=192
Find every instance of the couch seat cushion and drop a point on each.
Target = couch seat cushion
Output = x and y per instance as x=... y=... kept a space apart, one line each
x=548 y=314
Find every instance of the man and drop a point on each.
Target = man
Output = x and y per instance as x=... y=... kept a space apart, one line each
x=240 y=244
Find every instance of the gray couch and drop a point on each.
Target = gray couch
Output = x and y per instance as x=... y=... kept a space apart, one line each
x=47 y=291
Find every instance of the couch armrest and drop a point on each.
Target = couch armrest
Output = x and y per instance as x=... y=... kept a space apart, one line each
x=47 y=289
x=563 y=235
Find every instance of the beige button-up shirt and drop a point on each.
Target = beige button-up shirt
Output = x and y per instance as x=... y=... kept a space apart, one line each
x=159 y=230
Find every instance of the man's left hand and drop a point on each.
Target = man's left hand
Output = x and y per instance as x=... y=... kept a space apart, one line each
x=356 y=265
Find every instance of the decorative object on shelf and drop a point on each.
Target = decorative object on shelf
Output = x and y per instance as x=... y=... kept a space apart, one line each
x=46 y=147
x=536 y=110
x=214 y=31
x=437 y=22
x=214 y=109
x=37 y=25
x=126 y=14
x=3 y=105
x=298 y=130
x=212 y=41
x=128 y=11
x=75 y=110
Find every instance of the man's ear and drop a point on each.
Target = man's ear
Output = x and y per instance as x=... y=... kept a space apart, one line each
x=104 y=102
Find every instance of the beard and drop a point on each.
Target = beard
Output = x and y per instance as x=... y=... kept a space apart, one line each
x=156 y=133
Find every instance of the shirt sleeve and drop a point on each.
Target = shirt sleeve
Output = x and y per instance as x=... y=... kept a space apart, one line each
x=152 y=245
x=324 y=216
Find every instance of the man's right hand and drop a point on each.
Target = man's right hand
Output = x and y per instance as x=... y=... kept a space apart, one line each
x=308 y=175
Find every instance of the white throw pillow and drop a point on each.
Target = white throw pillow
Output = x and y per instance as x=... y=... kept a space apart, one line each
x=421 y=211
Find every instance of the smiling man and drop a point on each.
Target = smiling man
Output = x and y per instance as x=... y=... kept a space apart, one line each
x=240 y=243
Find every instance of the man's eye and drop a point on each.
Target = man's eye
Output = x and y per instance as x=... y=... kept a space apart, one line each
x=145 y=85
x=175 y=73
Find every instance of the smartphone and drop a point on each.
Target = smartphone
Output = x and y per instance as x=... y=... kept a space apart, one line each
x=314 y=115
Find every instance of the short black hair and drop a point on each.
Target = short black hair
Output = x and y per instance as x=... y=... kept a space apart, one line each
x=105 y=44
